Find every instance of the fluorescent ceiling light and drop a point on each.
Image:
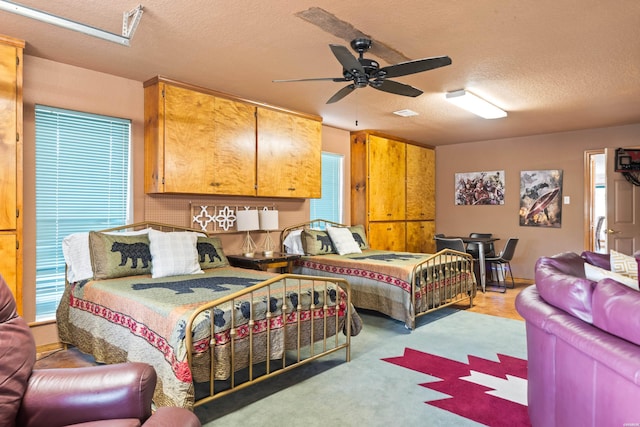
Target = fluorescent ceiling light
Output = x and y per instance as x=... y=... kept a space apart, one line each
x=130 y=22
x=405 y=113
x=473 y=103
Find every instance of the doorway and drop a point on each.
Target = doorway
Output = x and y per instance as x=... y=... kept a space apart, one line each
x=596 y=196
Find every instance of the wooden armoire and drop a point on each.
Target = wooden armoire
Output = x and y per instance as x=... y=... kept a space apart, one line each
x=11 y=164
x=393 y=191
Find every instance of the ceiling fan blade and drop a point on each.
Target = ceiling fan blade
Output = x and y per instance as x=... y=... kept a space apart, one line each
x=346 y=58
x=341 y=93
x=331 y=79
x=395 y=88
x=412 y=67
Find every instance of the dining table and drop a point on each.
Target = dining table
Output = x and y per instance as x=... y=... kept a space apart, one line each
x=481 y=241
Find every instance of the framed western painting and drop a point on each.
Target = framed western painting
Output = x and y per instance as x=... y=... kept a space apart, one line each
x=541 y=198
x=480 y=188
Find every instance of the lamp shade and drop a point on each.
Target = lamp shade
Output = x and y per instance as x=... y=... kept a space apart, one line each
x=247 y=220
x=268 y=219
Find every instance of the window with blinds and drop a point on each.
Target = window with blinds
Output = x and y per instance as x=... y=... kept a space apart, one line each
x=82 y=184
x=330 y=206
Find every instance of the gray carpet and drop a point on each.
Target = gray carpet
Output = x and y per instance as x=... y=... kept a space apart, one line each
x=369 y=391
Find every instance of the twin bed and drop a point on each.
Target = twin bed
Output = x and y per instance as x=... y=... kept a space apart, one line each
x=255 y=324
x=401 y=285
x=167 y=296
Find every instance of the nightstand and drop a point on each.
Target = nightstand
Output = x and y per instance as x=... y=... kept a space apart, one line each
x=260 y=262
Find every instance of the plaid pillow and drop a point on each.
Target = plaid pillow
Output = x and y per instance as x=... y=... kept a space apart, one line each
x=173 y=253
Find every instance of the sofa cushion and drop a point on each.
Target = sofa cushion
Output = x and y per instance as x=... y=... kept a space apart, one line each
x=597 y=259
x=561 y=281
x=616 y=308
x=17 y=353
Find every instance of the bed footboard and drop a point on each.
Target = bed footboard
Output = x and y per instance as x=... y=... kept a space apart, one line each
x=266 y=330
x=443 y=279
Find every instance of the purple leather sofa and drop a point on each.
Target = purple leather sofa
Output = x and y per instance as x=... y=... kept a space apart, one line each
x=108 y=395
x=583 y=345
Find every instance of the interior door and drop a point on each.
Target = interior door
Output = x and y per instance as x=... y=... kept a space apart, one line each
x=623 y=210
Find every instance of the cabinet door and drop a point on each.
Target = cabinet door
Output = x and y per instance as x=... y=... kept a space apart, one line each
x=289 y=155
x=389 y=236
x=8 y=132
x=209 y=144
x=387 y=172
x=420 y=236
x=421 y=180
x=188 y=136
x=8 y=267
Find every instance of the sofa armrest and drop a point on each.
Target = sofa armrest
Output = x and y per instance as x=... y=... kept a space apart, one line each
x=57 y=397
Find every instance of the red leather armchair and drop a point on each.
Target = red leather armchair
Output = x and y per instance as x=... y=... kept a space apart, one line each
x=106 y=395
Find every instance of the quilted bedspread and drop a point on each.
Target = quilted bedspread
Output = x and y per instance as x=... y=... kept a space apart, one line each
x=380 y=280
x=138 y=318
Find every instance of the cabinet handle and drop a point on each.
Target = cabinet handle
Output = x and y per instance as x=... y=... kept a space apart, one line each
x=291 y=188
x=215 y=184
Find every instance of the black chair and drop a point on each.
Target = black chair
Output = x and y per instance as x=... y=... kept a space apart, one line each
x=474 y=248
x=501 y=261
x=444 y=243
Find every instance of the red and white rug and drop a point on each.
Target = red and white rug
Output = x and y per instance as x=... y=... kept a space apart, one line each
x=488 y=392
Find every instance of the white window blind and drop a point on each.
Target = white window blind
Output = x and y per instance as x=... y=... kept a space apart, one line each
x=330 y=206
x=82 y=184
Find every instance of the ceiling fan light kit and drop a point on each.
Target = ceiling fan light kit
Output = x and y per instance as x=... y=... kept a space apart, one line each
x=474 y=104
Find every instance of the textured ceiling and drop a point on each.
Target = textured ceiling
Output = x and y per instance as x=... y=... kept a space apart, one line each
x=554 y=65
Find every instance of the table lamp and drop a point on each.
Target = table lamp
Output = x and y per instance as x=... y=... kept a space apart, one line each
x=247 y=220
x=268 y=223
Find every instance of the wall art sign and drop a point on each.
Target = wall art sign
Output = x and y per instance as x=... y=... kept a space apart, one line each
x=541 y=198
x=480 y=188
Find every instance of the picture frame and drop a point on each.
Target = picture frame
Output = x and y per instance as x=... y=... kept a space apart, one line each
x=541 y=198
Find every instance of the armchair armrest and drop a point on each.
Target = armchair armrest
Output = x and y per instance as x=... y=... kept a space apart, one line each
x=58 y=397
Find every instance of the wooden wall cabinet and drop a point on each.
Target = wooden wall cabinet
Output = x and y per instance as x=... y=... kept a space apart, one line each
x=198 y=141
x=393 y=192
x=11 y=164
x=289 y=155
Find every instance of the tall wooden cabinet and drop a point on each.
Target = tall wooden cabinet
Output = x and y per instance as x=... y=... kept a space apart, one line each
x=11 y=164
x=198 y=141
x=393 y=192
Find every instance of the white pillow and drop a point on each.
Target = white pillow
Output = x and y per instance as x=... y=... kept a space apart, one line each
x=75 y=249
x=173 y=253
x=624 y=264
x=343 y=240
x=596 y=274
x=293 y=243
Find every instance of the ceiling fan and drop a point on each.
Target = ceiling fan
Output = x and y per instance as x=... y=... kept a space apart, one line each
x=362 y=72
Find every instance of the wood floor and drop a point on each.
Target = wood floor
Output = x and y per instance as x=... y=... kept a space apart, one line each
x=491 y=302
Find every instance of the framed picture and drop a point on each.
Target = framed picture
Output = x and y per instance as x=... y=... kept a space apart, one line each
x=541 y=198
x=480 y=188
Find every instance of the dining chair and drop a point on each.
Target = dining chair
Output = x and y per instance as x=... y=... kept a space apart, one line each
x=444 y=243
x=501 y=261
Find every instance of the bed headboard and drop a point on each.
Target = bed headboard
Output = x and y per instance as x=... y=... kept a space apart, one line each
x=155 y=225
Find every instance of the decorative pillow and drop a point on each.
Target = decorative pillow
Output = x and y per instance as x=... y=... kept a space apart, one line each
x=173 y=253
x=360 y=236
x=293 y=243
x=343 y=240
x=624 y=264
x=210 y=254
x=596 y=274
x=317 y=242
x=77 y=255
x=115 y=255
